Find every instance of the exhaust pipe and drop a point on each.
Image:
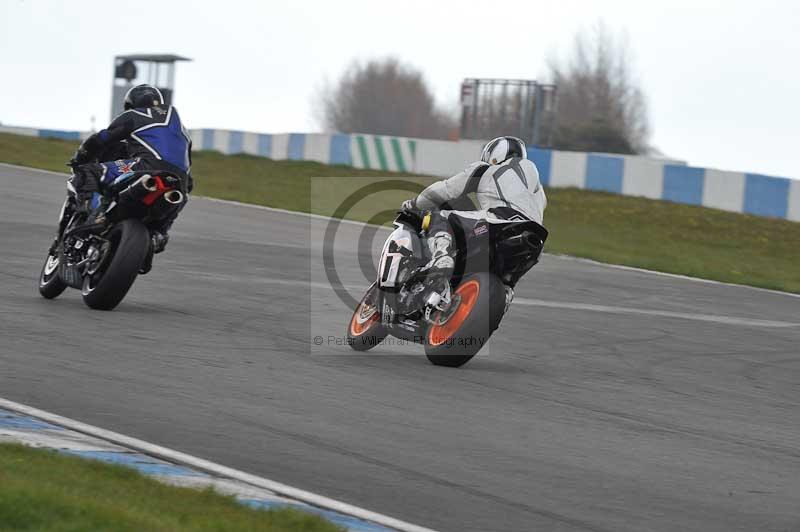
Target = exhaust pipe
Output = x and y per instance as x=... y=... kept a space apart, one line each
x=149 y=183
x=175 y=197
x=168 y=204
x=140 y=188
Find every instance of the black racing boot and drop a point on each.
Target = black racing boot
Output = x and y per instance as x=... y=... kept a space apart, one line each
x=158 y=241
x=147 y=265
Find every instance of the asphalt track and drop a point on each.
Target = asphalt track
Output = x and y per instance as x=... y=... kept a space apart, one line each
x=610 y=400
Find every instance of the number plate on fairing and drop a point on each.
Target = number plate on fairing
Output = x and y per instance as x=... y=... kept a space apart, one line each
x=401 y=243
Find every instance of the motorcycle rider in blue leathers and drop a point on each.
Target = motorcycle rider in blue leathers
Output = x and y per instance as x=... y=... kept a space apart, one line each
x=147 y=135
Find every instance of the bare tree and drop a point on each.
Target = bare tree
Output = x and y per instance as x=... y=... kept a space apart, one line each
x=384 y=97
x=600 y=105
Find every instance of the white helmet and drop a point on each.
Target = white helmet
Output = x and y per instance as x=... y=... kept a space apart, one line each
x=503 y=148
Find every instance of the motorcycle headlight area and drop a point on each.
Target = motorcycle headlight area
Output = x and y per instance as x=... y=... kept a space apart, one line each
x=396 y=261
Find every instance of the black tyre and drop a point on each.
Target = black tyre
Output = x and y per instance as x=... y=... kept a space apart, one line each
x=480 y=300
x=365 y=330
x=105 y=288
x=50 y=283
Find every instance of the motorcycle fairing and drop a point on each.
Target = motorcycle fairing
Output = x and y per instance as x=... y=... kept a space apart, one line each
x=400 y=252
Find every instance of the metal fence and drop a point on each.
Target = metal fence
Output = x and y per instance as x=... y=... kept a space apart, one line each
x=494 y=107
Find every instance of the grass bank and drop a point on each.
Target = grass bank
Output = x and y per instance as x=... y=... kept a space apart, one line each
x=47 y=491
x=651 y=234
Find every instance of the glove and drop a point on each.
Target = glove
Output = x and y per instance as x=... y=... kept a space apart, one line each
x=81 y=157
x=90 y=146
x=409 y=205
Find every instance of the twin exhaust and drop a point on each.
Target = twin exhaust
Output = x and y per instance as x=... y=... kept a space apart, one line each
x=148 y=184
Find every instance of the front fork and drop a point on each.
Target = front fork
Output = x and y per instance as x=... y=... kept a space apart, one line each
x=64 y=217
x=67 y=210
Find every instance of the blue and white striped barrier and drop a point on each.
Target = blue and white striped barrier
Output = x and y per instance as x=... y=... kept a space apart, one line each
x=620 y=174
x=641 y=176
x=46 y=133
x=44 y=431
x=361 y=151
x=323 y=148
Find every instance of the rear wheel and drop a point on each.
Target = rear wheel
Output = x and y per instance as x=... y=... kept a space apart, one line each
x=365 y=330
x=462 y=331
x=105 y=288
x=50 y=283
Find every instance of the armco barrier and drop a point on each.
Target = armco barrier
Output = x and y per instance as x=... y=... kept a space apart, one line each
x=46 y=133
x=325 y=148
x=620 y=174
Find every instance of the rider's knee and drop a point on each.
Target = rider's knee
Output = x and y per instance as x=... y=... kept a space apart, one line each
x=86 y=177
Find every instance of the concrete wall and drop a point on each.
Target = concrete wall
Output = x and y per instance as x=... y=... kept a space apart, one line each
x=620 y=174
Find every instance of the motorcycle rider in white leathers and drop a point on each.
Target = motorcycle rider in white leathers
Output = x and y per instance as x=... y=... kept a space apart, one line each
x=507 y=187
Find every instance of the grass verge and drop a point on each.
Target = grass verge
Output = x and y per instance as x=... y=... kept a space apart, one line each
x=47 y=491
x=657 y=235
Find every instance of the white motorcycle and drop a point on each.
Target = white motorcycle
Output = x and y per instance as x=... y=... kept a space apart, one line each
x=455 y=321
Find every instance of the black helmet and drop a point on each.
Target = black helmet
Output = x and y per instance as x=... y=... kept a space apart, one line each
x=503 y=148
x=142 y=97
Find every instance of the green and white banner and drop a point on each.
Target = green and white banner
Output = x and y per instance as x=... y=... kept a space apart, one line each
x=376 y=152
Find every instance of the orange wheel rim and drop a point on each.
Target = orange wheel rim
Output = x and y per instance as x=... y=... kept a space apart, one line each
x=439 y=334
x=359 y=326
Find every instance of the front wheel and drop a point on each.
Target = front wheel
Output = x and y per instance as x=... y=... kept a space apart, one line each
x=365 y=330
x=105 y=288
x=50 y=283
x=463 y=330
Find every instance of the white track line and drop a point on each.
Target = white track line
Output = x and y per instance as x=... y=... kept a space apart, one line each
x=667 y=274
x=63 y=174
x=549 y=255
x=223 y=201
x=523 y=301
x=212 y=468
x=714 y=318
x=556 y=256
x=295 y=213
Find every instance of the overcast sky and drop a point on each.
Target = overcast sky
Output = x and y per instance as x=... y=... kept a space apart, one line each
x=721 y=77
